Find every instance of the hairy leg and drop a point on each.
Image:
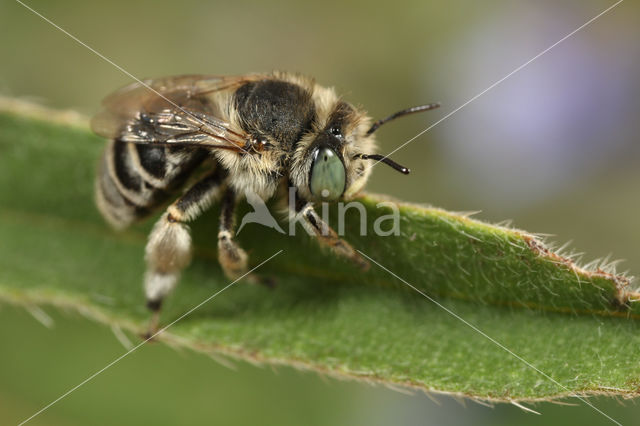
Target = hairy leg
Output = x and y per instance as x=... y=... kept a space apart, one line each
x=168 y=249
x=304 y=212
x=233 y=259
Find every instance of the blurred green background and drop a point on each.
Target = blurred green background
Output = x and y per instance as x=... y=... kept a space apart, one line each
x=554 y=148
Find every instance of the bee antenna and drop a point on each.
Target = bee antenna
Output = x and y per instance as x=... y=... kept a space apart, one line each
x=402 y=113
x=385 y=160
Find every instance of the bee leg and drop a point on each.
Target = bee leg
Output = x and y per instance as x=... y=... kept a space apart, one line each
x=168 y=249
x=315 y=226
x=233 y=259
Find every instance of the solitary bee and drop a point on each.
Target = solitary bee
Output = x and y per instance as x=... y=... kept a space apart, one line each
x=253 y=133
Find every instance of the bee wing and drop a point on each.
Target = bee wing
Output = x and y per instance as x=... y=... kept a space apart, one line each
x=172 y=110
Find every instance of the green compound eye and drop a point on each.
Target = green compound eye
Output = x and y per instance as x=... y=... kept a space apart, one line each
x=327 y=175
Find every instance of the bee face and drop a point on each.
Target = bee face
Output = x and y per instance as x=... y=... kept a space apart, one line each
x=325 y=166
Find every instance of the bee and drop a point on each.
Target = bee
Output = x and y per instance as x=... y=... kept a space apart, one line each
x=217 y=139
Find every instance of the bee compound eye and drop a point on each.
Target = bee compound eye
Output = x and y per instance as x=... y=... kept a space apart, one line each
x=327 y=179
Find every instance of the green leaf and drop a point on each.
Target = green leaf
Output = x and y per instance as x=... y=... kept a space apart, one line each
x=578 y=326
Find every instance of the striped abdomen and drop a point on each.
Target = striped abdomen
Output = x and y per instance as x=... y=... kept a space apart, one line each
x=134 y=179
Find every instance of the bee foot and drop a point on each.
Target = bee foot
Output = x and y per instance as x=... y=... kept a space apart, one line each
x=362 y=264
x=152 y=329
x=268 y=282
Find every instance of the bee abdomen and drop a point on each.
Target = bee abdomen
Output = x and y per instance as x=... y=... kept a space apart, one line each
x=134 y=179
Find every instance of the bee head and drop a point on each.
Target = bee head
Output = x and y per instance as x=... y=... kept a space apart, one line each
x=333 y=160
x=324 y=166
